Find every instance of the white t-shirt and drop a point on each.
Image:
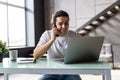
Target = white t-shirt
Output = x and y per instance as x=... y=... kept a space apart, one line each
x=58 y=48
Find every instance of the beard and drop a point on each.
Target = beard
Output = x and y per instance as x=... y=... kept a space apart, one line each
x=63 y=32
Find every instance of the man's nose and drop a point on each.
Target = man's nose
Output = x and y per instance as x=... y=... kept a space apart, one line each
x=63 y=26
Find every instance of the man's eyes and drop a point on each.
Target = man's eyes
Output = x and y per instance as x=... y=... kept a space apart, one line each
x=66 y=23
x=63 y=23
x=60 y=23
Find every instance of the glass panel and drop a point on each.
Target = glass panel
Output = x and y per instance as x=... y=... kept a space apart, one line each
x=17 y=2
x=3 y=23
x=16 y=19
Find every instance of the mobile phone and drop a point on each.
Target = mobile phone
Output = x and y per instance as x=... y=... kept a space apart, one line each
x=54 y=25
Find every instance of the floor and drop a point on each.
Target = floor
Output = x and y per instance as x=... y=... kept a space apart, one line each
x=115 y=76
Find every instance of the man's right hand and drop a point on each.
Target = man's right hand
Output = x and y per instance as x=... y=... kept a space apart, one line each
x=54 y=33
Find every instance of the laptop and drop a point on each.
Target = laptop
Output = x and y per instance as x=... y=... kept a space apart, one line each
x=83 y=49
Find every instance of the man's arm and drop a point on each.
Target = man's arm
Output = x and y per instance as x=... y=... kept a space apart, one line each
x=39 y=51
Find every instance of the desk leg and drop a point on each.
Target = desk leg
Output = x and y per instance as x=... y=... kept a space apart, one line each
x=107 y=75
x=5 y=76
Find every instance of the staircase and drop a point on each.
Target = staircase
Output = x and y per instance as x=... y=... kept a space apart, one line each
x=99 y=19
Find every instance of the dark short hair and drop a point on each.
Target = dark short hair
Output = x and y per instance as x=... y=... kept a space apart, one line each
x=59 y=14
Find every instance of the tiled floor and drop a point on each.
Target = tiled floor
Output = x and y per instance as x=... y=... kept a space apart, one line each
x=115 y=76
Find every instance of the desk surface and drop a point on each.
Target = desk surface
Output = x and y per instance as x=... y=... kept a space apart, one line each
x=43 y=66
x=51 y=64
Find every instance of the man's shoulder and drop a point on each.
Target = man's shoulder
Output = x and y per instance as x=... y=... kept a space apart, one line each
x=47 y=32
x=73 y=33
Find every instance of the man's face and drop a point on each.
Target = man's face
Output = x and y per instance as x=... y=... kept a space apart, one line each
x=62 y=24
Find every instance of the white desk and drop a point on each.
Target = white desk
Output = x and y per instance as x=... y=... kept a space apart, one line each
x=42 y=66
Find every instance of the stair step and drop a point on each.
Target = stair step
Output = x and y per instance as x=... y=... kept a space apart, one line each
x=83 y=32
x=88 y=30
x=110 y=13
x=114 y=10
x=95 y=22
x=93 y=25
x=100 y=20
x=89 y=27
x=107 y=15
x=117 y=7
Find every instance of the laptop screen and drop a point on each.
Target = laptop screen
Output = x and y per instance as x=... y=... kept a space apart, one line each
x=83 y=49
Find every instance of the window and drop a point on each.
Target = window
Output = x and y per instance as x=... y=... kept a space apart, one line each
x=12 y=22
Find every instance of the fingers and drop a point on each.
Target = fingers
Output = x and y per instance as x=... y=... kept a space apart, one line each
x=56 y=31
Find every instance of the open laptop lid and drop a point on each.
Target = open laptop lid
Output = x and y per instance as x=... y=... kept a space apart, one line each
x=83 y=49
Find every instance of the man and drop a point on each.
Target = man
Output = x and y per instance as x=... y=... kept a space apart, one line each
x=54 y=42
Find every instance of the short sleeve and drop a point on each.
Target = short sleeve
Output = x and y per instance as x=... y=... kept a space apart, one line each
x=44 y=38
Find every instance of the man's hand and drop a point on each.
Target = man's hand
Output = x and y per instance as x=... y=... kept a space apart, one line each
x=55 y=33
